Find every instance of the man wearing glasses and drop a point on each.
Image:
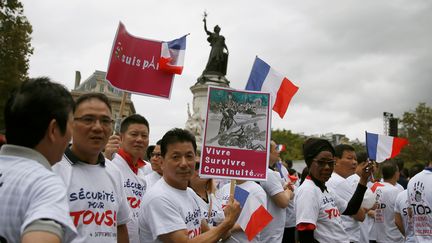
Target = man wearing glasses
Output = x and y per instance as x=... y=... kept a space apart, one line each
x=156 y=160
x=98 y=205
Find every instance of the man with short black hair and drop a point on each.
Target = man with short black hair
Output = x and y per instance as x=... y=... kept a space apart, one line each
x=345 y=166
x=33 y=203
x=134 y=137
x=386 y=194
x=170 y=211
x=97 y=201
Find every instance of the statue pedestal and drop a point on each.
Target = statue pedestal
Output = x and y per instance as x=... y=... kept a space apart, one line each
x=195 y=122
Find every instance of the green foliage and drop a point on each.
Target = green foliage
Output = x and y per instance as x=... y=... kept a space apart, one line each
x=417 y=127
x=15 y=48
x=293 y=143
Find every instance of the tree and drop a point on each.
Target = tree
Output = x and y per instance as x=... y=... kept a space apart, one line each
x=15 y=49
x=293 y=143
x=417 y=127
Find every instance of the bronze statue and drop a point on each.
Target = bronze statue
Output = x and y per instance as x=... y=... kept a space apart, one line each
x=218 y=59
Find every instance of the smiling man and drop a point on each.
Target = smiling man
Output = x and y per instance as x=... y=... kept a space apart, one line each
x=345 y=166
x=134 y=136
x=97 y=202
x=170 y=211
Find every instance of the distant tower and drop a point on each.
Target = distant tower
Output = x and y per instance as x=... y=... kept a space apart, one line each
x=390 y=124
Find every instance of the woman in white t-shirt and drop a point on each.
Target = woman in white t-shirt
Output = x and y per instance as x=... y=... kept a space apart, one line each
x=318 y=210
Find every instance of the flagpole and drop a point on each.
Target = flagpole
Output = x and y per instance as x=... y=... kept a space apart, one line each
x=122 y=104
x=232 y=187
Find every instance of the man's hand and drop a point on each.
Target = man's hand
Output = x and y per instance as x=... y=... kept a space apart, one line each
x=232 y=212
x=366 y=170
x=112 y=146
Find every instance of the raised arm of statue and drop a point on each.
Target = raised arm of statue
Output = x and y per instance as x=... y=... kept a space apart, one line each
x=205 y=27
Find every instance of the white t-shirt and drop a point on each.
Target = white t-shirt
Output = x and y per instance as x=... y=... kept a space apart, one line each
x=217 y=213
x=30 y=191
x=420 y=197
x=401 y=207
x=97 y=200
x=290 y=213
x=273 y=232
x=345 y=189
x=134 y=187
x=384 y=215
x=147 y=169
x=151 y=179
x=166 y=209
x=323 y=209
x=255 y=191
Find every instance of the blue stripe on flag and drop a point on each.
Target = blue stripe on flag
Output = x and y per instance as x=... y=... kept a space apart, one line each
x=259 y=72
x=178 y=44
x=240 y=195
x=371 y=145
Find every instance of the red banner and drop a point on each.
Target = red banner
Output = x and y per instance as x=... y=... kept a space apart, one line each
x=133 y=66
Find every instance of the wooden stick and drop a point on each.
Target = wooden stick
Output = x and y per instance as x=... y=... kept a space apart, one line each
x=122 y=104
x=232 y=187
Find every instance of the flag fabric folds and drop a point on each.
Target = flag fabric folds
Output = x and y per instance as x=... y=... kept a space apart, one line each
x=281 y=89
x=172 y=55
x=382 y=147
x=134 y=64
x=281 y=147
x=253 y=217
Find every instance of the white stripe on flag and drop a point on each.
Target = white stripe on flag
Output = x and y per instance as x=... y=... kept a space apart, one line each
x=384 y=147
x=272 y=84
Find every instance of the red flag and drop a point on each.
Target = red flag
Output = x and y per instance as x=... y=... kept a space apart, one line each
x=133 y=65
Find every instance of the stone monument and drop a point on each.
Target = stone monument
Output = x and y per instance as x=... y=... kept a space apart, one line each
x=213 y=75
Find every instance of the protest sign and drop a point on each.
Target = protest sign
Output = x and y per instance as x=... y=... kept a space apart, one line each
x=236 y=135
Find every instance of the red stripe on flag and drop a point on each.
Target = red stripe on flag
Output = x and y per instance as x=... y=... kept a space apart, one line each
x=258 y=221
x=398 y=144
x=284 y=95
x=375 y=186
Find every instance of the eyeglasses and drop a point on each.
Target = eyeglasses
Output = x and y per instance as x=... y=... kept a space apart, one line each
x=322 y=163
x=88 y=120
x=157 y=155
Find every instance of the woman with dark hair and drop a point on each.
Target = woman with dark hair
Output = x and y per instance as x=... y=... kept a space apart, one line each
x=318 y=210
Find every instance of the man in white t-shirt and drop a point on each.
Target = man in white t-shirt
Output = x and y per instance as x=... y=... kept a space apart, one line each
x=98 y=204
x=345 y=166
x=170 y=211
x=403 y=210
x=278 y=198
x=33 y=202
x=134 y=136
x=156 y=160
x=386 y=197
x=420 y=197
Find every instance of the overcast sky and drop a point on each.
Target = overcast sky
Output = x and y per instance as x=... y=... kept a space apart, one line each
x=352 y=60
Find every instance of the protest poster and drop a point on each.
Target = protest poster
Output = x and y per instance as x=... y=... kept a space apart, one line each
x=236 y=135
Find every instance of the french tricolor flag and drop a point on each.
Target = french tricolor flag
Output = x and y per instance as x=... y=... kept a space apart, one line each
x=253 y=217
x=382 y=147
x=172 y=55
x=281 y=89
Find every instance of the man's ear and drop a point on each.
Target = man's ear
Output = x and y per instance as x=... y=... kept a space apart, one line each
x=52 y=131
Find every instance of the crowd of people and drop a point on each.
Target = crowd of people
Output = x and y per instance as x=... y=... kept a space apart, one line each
x=64 y=177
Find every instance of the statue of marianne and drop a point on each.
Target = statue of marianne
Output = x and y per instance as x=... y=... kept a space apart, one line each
x=218 y=59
